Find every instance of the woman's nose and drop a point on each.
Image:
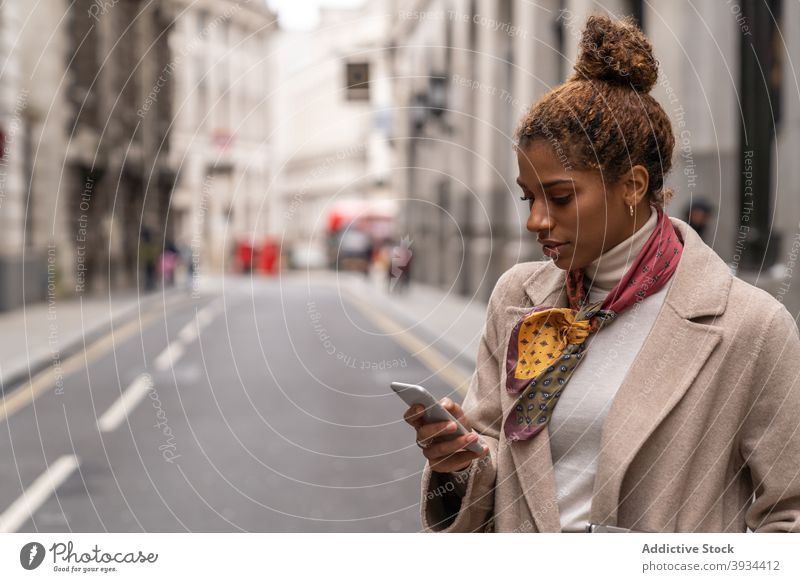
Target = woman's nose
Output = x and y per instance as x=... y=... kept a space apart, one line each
x=539 y=217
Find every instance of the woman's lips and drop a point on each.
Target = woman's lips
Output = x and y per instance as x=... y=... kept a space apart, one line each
x=553 y=250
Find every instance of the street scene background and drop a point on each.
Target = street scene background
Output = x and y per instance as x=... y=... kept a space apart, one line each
x=228 y=225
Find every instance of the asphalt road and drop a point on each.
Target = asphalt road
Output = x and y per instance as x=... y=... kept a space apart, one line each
x=262 y=407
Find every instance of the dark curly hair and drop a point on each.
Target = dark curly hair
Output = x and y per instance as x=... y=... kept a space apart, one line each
x=603 y=116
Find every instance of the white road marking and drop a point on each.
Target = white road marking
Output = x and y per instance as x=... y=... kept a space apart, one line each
x=164 y=361
x=125 y=403
x=189 y=333
x=171 y=354
x=46 y=379
x=206 y=316
x=202 y=318
x=34 y=496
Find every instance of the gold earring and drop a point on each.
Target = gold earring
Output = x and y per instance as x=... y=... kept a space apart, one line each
x=631 y=207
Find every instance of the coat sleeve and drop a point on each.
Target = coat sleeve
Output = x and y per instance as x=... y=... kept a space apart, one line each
x=770 y=434
x=464 y=502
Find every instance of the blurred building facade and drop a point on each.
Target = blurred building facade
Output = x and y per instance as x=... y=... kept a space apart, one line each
x=103 y=106
x=332 y=121
x=117 y=179
x=222 y=99
x=465 y=72
x=32 y=131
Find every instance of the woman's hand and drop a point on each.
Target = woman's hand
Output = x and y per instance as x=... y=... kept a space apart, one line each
x=444 y=455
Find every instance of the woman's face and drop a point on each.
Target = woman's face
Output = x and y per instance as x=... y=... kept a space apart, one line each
x=574 y=209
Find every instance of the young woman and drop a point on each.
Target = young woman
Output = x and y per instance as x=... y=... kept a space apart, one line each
x=631 y=381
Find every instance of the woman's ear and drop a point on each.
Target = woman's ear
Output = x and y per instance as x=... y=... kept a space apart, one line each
x=635 y=182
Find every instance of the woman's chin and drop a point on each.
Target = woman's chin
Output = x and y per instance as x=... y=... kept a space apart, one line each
x=562 y=262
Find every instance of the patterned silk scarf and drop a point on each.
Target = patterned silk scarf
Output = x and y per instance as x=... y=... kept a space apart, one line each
x=548 y=343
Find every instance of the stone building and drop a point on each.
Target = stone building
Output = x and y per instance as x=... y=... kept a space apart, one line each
x=220 y=126
x=14 y=160
x=104 y=105
x=332 y=123
x=33 y=120
x=117 y=178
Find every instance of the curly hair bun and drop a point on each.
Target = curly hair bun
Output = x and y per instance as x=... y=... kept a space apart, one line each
x=617 y=52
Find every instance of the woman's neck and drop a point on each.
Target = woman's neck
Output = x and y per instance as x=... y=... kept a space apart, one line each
x=605 y=271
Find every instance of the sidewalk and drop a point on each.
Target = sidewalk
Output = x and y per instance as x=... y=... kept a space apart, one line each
x=38 y=335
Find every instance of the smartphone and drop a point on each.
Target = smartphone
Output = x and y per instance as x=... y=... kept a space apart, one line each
x=434 y=412
x=597 y=528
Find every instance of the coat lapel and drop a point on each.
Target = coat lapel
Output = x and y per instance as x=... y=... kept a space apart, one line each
x=667 y=365
x=532 y=457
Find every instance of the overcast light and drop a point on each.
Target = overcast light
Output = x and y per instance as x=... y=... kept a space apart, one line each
x=304 y=14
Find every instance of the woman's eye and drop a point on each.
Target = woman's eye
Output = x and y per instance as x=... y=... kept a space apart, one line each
x=559 y=201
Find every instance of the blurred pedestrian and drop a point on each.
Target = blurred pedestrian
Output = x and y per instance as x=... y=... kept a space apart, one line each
x=399 y=267
x=168 y=263
x=698 y=214
x=355 y=251
x=148 y=256
x=186 y=261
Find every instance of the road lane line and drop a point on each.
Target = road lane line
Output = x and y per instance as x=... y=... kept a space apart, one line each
x=437 y=362
x=171 y=354
x=114 y=416
x=45 y=379
x=205 y=316
x=118 y=411
x=34 y=496
x=202 y=318
x=189 y=333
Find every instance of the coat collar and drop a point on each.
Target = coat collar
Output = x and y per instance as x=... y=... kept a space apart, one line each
x=649 y=391
x=698 y=264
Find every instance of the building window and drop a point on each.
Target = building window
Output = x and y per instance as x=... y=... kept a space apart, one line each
x=357 y=86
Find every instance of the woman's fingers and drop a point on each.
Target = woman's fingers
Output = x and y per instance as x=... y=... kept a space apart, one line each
x=455 y=462
x=437 y=445
x=413 y=415
x=456 y=411
x=430 y=431
x=445 y=448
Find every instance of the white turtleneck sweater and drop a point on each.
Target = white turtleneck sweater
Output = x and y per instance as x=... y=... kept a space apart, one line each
x=577 y=422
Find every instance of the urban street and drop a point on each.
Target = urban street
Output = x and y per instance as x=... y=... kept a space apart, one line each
x=261 y=405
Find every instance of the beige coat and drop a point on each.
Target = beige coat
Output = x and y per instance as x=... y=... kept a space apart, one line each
x=708 y=415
